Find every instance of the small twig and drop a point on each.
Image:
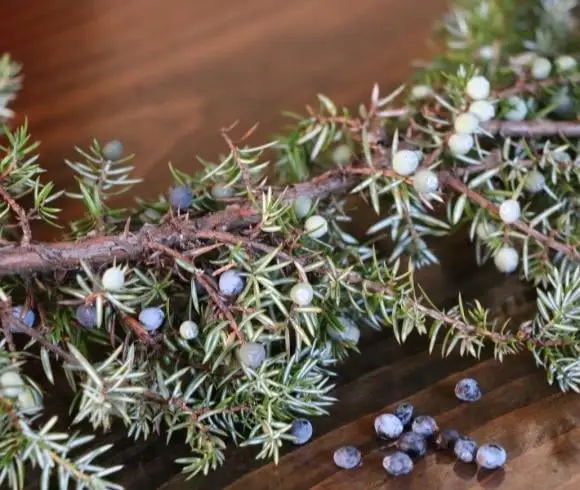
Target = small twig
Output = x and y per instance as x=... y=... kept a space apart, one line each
x=534 y=129
x=534 y=86
x=21 y=214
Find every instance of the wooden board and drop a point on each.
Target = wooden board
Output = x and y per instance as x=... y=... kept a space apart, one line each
x=164 y=77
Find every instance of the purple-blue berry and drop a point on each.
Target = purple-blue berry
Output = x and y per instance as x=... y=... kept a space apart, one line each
x=301 y=431
x=404 y=412
x=413 y=444
x=468 y=390
x=152 y=318
x=27 y=318
x=465 y=449
x=398 y=464
x=231 y=283
x=446 y=438
x=113 y=150
x=424 y=425
x=180 y=197
x=86 y=315
x=347 y=457
x=491 y=456
x=388 y=426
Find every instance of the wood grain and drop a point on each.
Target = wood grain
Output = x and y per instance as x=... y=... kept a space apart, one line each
x=164 y=76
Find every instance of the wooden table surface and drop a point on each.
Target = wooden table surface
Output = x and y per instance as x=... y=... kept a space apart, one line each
x=164 y=76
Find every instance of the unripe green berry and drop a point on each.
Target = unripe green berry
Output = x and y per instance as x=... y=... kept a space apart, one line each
x=302 y=294
x=188 y=330
x=219 y=191
x=425 y=181
x=342 y=154
x=483 y=109
x=466 y=123
x=534 y=181
x=113 y=279
x=506 y=259
x=518 y=109
x=316 y=226
x=510 y=211
x=541 y=68
x=302 y=206
x=565 y=63
x=11 y=384
x=478 y=88
x=460 y=143
x=252 y=355
x=405 y=162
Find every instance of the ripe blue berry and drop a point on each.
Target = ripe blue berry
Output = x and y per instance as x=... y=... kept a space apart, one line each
x=446 y=438
x=413 y=444
x=231 y=283
x=398 y=464
x=27 y=318
x=301 y=431
x=152 y=318
x=491 y=456
x=113 y=150
x=86 y=315
x=468 y=390
x=424 y=425
x=347 y=457
x=465 y=449
x=405 y=412
x=180 y=197
x=252 y=355
x=388 y=426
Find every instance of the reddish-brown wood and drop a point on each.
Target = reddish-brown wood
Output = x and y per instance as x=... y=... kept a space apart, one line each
x=164 y=77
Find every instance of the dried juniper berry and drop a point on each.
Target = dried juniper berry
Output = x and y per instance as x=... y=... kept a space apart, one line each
x=465 y=449
x=446 y=439
x=347 y=457
x=468 y=390
x=398 y=464
x=412 y=444
x=491 y=456
x=404 y=412
x=425 y=425
x=301 y=431
x=388 y=426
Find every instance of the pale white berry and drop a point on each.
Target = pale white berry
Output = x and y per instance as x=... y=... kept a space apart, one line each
x=483 y=109
x=113 y=279
x=11 y=384
x=425 y=181
x=349 y=333
x=405 y=162
x=541 y=68
x=487 y=52
x=478 y=88
x=419 y=92
x=510 y=211
x=342 y=154
x=219 y=191
x=231 y=283
x=188 y=330
x=506 y=259
x=316 y=226
x=302 y=206
x=460 y=143
x=466 y=123
x=302 y=294
x=518 y=109
x=484 y=230
x=565 y=63
x=534 y=181
x=562 y=157
x=252 y=355
x=28 y=401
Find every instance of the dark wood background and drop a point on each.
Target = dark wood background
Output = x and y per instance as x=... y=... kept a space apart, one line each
x=164 y=76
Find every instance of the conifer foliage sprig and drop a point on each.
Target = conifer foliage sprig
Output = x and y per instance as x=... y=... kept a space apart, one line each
x=217 y=312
